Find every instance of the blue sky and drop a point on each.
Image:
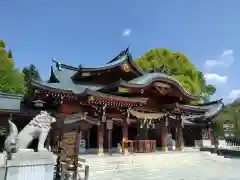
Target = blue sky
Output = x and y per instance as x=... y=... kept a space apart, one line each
x=92 y=32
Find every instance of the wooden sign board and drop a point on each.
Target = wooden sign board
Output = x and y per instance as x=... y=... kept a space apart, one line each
x=122 y=89
x=69 y=143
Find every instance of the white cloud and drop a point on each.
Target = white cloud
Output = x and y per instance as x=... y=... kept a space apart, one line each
x=127 y=32
x=215 y=78
x=225 y=59
x=234 y=94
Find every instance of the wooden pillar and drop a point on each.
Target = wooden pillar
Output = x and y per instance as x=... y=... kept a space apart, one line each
x=210 y=135
x=125 y=137
x=101 y=129
x=88 y=138
x=164 y=134
x=180 y=140
x=100 y=138
x=109 y=130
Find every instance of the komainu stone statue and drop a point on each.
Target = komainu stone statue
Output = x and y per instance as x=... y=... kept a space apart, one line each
x=37 y=128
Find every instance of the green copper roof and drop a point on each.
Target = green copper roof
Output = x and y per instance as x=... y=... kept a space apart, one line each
x=203 y=107
x=212 y=109
x=148 y=78
x=10 y=102
x=123 y=57
x=65 y=82
x=145 y=78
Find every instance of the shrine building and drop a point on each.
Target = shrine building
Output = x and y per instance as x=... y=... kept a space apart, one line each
x=117 y=104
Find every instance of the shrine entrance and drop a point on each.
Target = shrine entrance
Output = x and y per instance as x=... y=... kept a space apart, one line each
x=190 y=134
x=92 y=138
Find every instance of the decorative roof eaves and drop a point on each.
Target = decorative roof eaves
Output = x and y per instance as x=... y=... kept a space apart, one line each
x=96 y=93
x=83 y=69
x=65 y=66
x=191 y=96
x=131 y=62
x=202 y=106
x=211 y=102
x=47 y=86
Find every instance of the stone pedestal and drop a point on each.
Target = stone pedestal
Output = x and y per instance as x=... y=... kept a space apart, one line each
x=222 y=143
x=31 y=165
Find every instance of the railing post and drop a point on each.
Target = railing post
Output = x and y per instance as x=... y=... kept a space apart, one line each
x=86 y=172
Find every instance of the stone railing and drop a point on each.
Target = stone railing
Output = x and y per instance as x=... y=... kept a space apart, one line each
x=222 y=144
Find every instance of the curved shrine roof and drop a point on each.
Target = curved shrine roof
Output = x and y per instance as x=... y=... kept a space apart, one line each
x=66 y=85
x=122 y=58
x=211 y=109
x=148 y=78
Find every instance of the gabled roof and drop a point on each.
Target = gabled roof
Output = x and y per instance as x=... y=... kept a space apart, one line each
x=60 y=81
x=122 y=58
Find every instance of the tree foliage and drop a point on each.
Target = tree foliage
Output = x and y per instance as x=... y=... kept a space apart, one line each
x=31 y=72
x=231 y=113
x=11 y=79
x=178 y=65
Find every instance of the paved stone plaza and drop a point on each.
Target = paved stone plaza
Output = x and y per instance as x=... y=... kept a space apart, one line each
x=168 y=166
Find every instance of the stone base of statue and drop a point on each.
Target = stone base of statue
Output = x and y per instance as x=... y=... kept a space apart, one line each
x=29 y=165
x=207 y=143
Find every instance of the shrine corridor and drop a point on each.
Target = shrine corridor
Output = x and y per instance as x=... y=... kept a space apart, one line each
x=188 y=165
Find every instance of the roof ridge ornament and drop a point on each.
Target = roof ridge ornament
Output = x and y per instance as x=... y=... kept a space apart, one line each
x=58 y=64
x=121 y=55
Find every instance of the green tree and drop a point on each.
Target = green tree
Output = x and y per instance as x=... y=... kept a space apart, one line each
x=177 y=65
x=11 y=79
x=230 y=113
x=31 y=72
